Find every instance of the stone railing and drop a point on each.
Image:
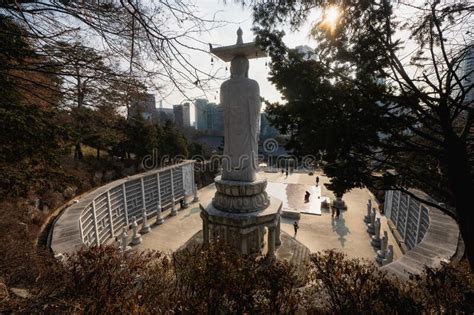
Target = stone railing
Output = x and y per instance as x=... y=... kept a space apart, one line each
x=98 y=217
x=408 y=217
x=426 y=235
x=269 y=169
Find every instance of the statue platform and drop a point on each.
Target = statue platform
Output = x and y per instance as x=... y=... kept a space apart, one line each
x=244 y=231
x=291 y=250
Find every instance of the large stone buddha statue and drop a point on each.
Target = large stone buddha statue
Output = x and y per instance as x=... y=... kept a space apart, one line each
x=240 y=98
x=241 y=211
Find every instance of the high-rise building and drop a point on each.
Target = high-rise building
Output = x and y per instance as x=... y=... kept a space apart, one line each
x=209 y=117
x=468 y=74
x=164 y=114
x=200 y=108
x=178 y=115
x=186 y=114
x=182 y=115
x=145 y=104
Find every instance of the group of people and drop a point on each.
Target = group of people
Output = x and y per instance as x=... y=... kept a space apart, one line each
x=284 y=172
x=307 y=194
x=335 y=212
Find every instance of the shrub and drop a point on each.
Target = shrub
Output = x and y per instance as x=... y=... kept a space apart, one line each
x=341 y=285
x=449 y=289
x=217 y=279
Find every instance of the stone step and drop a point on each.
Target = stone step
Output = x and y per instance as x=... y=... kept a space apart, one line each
x=300 y=256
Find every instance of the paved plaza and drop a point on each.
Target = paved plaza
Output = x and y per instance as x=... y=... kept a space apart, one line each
x=347 y=234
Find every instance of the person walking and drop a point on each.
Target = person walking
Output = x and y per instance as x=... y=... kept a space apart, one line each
x=296 y=227
x=306 y=196
x=338 y=212
x=317 y=180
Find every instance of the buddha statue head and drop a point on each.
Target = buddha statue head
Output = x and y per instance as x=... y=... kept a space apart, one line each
x=239 y=67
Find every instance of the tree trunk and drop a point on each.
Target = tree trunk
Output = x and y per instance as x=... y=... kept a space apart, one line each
x=466 y=227
x=460 y=184
x=78 y=152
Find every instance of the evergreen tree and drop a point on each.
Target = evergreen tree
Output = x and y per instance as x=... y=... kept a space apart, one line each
x=31 y=137
x=377 y=115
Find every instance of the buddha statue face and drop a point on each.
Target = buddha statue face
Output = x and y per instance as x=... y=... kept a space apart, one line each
x=239 y=67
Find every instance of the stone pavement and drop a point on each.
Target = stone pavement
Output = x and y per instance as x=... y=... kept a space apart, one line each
x=292 y=196
x=347 y=234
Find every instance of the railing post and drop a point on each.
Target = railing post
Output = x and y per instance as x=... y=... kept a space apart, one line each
x=172 y=183
x=398 y=208
x=159 y=188
x=406 y=218
x=143 y=192
x=387 y=207
x=80 y=227
x=112 y=233
x=173 y=206
x=94 y=215
x=417 y=239
x=125 y=208
x=192 y=167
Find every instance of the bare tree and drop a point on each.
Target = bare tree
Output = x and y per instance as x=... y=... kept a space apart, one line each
x=151 y=39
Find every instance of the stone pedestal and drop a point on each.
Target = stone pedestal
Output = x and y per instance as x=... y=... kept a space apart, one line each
x=145 y=226
x=371 y=225
x=376 y=237
x=196 y=196
x=383 y=248
x=184 y=203
x=174 y=211
x=137 y=237
x=369 y=208
x=388 y=256
x=124 y=241
x=159 y=218
x=243 y=230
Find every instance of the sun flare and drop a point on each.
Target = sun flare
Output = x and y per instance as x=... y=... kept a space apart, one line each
x=331 y=17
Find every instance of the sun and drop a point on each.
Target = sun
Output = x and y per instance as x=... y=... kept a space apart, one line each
x=331 y=17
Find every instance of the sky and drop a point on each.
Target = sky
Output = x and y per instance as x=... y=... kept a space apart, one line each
x=236 y=16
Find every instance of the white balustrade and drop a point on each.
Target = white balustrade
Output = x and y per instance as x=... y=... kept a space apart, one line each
x=100 y=215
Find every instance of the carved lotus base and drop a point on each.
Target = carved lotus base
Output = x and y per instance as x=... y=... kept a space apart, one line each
x=240 y=197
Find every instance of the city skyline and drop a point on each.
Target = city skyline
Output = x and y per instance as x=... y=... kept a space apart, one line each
x=235 y=16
